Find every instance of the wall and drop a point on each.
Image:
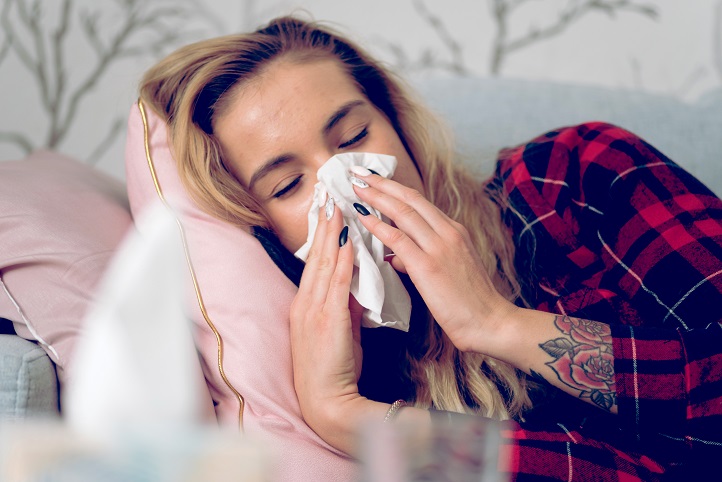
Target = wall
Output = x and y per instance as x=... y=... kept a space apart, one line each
x=69 y=68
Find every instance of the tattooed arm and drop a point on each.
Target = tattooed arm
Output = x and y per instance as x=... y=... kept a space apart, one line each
x=571 y=354
x=581 y=360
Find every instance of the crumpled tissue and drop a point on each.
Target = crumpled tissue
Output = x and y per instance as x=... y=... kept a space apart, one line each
x=375 y=284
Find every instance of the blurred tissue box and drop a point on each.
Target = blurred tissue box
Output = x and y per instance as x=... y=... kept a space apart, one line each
x=137 y=407
x=53 y=452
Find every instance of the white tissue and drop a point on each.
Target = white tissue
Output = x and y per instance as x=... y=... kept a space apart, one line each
x=375 y=284
x=136 y=368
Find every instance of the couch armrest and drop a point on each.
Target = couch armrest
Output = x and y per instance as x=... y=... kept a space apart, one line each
x=28 y=383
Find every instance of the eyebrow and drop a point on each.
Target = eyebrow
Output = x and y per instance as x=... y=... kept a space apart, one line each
x=340 y=114
x=269 y=166
x=277 y=161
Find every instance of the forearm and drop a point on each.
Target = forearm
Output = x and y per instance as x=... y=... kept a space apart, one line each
x=572 y=354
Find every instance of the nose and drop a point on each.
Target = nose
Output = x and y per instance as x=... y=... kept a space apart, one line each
x=321 y=158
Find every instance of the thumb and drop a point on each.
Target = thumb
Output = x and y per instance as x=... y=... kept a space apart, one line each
x=356 y=310
x=354 y=306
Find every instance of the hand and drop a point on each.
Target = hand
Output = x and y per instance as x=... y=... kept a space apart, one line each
x=438 y=255
x=325 y=328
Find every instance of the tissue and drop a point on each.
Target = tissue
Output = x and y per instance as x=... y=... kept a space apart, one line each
x=375 y=284
x=136 y=367
x=136 y=406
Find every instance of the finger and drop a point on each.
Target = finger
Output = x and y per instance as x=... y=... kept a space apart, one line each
x=340 y=285
x=428 y=211
x=306 y=285
x=408 y=219
x=327 y=259
x=395 y=239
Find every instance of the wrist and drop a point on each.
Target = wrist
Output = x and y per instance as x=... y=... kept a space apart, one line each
x=523 y=332
x=512 y=335
x=495 y=336
x=339 y=422
x=343 y=422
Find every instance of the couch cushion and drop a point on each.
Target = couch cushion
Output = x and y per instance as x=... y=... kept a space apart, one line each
x=28 y=386
x=60 y=223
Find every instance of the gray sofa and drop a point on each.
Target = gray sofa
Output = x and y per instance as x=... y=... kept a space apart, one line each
x=28 y=385
x=486 y=115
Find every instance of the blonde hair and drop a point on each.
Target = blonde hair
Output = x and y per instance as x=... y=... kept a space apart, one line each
x=188 y=89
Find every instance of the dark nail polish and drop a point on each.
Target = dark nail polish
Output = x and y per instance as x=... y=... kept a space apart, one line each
x=343 y=237
x=361 y=209
x=373 y=172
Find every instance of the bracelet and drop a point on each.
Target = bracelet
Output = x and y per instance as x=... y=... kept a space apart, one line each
x=394 y=410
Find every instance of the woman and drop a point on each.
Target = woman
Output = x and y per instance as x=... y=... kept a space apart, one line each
x=584 y=263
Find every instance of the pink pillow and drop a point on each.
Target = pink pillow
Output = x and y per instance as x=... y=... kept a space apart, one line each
x=60 y=224
x=247 y=299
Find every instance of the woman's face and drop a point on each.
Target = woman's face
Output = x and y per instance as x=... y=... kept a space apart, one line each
x=282 y=125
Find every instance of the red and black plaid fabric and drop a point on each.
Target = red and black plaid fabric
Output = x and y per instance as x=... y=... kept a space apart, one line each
x=607 y=228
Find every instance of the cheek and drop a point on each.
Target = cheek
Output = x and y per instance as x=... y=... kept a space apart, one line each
x=407 y=174
x=290 y=221
x=409 y=177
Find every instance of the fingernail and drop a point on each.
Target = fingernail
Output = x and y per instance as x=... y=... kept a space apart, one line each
x=330 y=205
x=343 y=237
x=374 y=172
x=360 y=170
x=321 y=195
x=358 y=182
x=361 y=209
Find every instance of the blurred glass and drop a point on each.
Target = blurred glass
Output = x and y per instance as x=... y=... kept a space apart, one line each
x=460 y=448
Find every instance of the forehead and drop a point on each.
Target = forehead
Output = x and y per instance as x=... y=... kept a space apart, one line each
x=279 y=108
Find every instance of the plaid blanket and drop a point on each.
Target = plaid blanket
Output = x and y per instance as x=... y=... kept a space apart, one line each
x=609 y=229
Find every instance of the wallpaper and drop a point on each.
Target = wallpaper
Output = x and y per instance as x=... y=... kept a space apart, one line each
x=69 y=69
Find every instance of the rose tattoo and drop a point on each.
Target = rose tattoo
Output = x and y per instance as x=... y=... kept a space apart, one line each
x=583 y=359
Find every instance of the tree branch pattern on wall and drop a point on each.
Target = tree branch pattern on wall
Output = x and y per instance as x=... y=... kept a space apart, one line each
x=429 y=59
x=504 y=44
x=141 y=27
x=41 y=40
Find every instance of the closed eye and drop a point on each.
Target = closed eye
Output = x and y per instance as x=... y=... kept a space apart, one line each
x=355 y=140
x=288 y=188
